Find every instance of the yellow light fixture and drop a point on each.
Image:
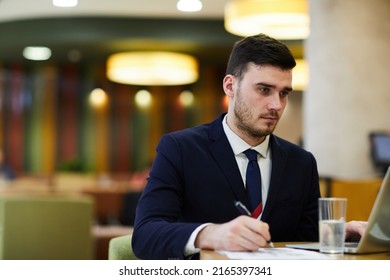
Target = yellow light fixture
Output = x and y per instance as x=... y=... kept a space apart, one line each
x=152 y=68
x=186 y=98
x=300 y=75
x=143 y=98
x=98 y=98
x=281 y=19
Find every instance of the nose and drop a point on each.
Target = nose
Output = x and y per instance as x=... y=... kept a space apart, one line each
x=275 y=102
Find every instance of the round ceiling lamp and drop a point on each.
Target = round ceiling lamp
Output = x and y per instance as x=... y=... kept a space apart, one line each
x=36 y=53
x=189 y=5
x=281 y=19
x=152 y=68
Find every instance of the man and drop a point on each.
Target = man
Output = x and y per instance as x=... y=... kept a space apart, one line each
x=198 y=173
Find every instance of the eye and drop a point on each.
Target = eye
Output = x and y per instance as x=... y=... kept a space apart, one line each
x=284 y=93
x=265 y=90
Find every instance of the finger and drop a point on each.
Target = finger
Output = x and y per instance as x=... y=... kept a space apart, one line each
x=261 y=229
x=255 y=232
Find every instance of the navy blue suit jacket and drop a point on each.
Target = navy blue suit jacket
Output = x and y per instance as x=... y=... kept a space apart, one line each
x=195 y=179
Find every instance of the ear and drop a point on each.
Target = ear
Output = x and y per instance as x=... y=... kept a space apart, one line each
x=228 y=85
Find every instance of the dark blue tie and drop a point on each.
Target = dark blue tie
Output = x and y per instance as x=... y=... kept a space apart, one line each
x=253 y=183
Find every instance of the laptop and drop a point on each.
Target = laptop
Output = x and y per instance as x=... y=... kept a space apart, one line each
x=376 y=238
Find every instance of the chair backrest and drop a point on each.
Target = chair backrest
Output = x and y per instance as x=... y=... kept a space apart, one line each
x=361 y=195
x=120 y=248
x=46 y=227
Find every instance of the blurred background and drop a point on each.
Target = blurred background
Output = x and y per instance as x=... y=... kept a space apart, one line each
x=52 y=117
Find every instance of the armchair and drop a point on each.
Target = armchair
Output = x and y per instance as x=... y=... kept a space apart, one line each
x=45 y=227
x=120 y=248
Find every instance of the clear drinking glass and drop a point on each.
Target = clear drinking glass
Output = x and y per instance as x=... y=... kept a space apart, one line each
x=332 y=215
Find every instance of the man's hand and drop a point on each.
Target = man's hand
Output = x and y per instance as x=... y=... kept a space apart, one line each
x=241 y=234
x=355 y=229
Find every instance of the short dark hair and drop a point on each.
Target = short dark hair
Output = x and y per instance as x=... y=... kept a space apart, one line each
x=261 y=50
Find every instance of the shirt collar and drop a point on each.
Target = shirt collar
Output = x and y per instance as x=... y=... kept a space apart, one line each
x=239 y=146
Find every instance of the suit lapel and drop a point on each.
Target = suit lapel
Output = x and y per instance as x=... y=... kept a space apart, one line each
x=223 y=154
x=279 y=160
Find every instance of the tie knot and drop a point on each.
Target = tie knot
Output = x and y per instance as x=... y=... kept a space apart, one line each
x=251 y=154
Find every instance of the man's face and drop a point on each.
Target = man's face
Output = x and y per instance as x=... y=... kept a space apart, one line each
x=257 y=101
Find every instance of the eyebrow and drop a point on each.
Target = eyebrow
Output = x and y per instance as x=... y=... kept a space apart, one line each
x=272 y=86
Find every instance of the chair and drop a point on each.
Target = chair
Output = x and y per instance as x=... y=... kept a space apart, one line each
x=120 y=248
x=361 y=195
x=103 y=234
x=45 y=227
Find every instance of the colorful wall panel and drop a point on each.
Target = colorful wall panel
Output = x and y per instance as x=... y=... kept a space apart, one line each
x=47 y=122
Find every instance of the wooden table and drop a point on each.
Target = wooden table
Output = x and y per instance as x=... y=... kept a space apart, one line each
x=213 y=255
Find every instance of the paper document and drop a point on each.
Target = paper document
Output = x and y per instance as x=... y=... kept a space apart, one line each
x=276 y=254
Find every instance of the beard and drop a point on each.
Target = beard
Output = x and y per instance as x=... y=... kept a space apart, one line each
x=246 y=122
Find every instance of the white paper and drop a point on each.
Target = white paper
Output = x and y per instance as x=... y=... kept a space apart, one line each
x=276 y=254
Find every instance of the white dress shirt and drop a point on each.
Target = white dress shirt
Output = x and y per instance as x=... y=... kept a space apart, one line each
x=264 y=158
x=239 y=146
